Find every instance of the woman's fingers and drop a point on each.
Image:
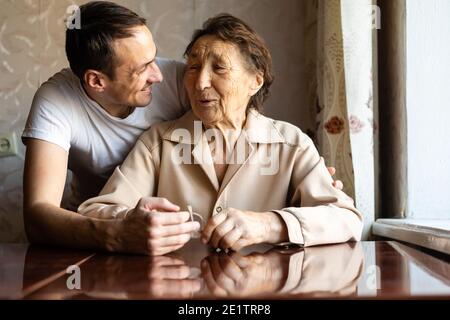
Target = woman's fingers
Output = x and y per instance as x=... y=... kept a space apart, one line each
x=211 y=283
x=212 y=224
x=230 y=267
x=220 y=231
x=241 y=243
x=230 y=238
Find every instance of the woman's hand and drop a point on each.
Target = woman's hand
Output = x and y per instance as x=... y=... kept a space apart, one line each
x=233 y=274
x=235 y=229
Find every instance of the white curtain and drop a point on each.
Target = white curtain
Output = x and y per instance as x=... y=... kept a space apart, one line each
x=345 y=118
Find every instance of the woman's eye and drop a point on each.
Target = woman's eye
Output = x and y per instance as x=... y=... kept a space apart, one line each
x=193 y=67
x=141 y=71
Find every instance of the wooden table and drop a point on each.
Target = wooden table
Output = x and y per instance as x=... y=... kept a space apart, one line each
x=381 y=269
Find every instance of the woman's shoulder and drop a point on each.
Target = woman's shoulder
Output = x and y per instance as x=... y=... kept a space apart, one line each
x=291 y=134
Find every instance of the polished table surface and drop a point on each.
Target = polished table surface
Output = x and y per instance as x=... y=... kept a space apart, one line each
x=367 y=269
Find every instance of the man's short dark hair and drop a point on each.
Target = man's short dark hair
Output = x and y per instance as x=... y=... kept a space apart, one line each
x=91 y=46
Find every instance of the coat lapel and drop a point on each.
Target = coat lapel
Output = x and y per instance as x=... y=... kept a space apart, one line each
x=258 y=129
x=243 y=150
x=202 y=157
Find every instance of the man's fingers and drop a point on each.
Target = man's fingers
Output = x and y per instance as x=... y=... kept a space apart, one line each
x=175 y=229
x=162 y=261
x=159 y=204
x=167 y=218
x=172 y=241
x=170 y=272
x=164 y=250
x=185 y=288
x=213 y=222
x=331 y=170
x=338 y=184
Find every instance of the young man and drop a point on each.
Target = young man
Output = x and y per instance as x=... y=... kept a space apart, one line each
x=86 y=119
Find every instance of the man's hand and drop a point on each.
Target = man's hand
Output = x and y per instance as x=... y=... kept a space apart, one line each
x=135 y=277
x=155 y=227
x=336 y=183
x=171 y=277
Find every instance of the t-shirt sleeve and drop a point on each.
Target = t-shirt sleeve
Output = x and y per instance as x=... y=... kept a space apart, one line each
x=48 y=119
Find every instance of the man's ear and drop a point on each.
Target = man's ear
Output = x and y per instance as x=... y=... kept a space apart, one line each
x=95 y=80
x=257 y=83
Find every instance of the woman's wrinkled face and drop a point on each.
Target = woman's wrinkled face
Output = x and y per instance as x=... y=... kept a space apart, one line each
x=218 y=82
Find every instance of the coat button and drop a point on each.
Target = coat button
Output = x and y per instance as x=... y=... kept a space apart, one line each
x=218 y=209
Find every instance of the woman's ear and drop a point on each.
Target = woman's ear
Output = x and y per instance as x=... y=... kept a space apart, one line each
x=257 y=83
x=94 y=80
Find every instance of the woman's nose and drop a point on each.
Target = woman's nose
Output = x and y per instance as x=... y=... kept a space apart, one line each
x=155 y=75
x=203 y=80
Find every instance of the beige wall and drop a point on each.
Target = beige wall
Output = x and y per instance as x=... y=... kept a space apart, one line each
x=32 y=49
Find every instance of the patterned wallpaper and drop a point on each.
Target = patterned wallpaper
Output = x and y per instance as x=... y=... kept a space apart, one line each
x=32 y=49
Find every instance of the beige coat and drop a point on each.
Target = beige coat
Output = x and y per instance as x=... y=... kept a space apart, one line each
x=279 y=170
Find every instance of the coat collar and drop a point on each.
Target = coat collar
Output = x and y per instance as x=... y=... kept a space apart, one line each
x=258 y=129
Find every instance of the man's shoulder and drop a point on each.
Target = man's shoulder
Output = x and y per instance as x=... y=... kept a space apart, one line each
x=59 y=89
x=154 y=135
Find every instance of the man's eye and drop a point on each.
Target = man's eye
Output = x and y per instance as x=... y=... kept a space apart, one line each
x=219 y=67
x=193 y=67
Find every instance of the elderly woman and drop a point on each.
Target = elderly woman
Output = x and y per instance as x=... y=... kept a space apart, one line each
x=252 y=179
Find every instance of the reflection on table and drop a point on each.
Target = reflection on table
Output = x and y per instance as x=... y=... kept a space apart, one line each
x=349 y=270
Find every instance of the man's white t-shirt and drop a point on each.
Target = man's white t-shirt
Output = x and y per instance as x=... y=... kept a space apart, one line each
x=63 y=114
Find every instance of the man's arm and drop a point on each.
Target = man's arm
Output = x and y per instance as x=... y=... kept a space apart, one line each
x=47 y=223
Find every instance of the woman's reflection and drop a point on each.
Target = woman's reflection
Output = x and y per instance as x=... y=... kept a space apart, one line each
x=315 y=271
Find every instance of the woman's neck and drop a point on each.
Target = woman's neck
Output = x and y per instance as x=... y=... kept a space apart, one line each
x=230 y=129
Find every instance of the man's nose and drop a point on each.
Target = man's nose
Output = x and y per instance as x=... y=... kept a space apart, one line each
x=203 y=80
x=155 y=75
